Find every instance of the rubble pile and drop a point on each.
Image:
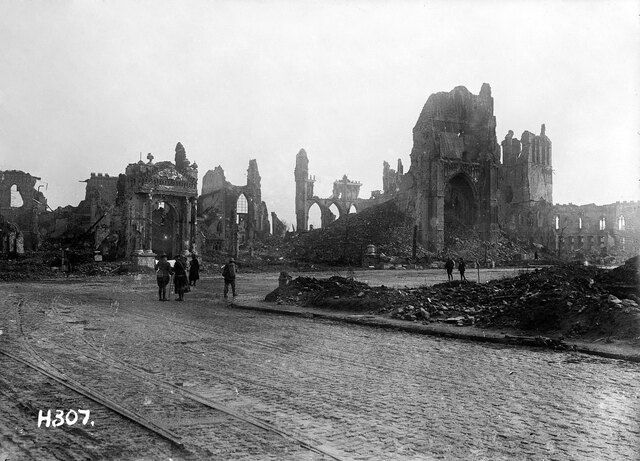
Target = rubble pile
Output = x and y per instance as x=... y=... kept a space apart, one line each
x=345 y=240
x=335 y=291
x=569 y=300
x=27 y=268
x=466 y=244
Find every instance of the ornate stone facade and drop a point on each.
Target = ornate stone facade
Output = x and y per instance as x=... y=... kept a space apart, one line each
x=156 y=206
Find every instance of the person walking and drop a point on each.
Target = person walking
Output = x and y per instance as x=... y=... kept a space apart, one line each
x=229 y=273
x=194 y=270
x=180 y=279
x=163 y=275
x=462 y=267
x=449 y=265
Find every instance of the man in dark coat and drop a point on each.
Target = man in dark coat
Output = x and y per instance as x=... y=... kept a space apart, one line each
x=449 y=265
x=229 y=274
x=462 y=267
x=194 y=270
x=180 y=279
x=163 y=275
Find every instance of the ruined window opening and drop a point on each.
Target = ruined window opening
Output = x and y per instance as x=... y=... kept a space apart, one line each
x=621 y=223
x=579 y=222
x=557 y=222
x=603 y=223
x=160 y=205
x=335 y=211
x=353 y=210
x=314 y=217
x=242 y=206
x=16 y=197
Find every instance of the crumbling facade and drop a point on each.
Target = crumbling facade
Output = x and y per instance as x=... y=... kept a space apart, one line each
x=231 y=217
x=592 y=231
x=344 y=197
x=463 y=183
x=20 y=207
x=156 y=207
x=451 y=185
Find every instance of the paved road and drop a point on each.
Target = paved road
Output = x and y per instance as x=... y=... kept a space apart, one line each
x=346 y=391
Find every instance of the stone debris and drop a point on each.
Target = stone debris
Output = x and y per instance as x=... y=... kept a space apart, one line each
x=571 y=300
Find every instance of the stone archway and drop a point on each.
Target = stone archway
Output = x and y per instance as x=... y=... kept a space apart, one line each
x=164 y=226
x=460 y=207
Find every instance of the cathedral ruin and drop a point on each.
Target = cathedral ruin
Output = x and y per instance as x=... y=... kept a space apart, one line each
x=462 y=182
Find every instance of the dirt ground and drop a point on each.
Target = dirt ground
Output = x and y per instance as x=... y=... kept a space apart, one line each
x=224 y=383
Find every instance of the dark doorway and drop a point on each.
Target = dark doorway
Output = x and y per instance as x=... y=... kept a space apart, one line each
x=460 y=210
x=164 y=230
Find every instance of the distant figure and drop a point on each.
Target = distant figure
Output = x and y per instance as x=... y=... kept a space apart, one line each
x=462 y=267
x=229 y=274
x=66 y=262
x=163 y=275
x=180 y=279
x=535 y=255
x=194 y=271
x=449 y=265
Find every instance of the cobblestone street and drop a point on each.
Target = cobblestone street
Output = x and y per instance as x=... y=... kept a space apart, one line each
x=238 y=384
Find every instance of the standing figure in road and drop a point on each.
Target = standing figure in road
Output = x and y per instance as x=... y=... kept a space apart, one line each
x=163 y=275
x=462 y=267
x=449 y=265
x=194 y=270
x=229 y=274
x=180 y=279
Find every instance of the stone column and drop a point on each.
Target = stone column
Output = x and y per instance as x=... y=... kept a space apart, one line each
x=192 y=228
x=149 y=223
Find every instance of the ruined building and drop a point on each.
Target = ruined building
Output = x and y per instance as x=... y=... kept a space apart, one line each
x=452 y=182
x=345 y=196
x=149 y=209
x=21 y=205
x=229 y=216
x=462 y=183
x=156 y=207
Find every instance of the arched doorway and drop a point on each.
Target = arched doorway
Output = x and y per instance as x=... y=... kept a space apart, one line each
x=353 y=210
x=164 y=220
x=460 y=209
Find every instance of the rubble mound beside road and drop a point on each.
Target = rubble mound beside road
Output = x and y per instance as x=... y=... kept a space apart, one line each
x=571 y=300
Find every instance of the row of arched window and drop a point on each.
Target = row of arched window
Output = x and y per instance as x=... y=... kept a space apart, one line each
x=602 y=223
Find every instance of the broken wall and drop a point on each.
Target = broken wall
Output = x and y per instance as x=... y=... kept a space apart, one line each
x=20 y=207
x=232 y=216
x=596 y=230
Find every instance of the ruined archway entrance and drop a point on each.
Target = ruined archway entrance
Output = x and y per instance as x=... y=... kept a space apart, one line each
x=460 y=209
x=164 y=230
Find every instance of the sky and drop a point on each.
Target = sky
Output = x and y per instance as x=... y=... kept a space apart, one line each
x=88 y=86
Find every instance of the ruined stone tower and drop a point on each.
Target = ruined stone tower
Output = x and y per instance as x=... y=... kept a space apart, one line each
x=527 y=172
x=304 y=190
x=452 y=181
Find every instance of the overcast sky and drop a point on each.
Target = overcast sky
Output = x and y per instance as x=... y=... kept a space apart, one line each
x=86 y=86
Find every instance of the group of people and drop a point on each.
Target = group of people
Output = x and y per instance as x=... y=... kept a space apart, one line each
x=450 y=265
x=185 y=275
